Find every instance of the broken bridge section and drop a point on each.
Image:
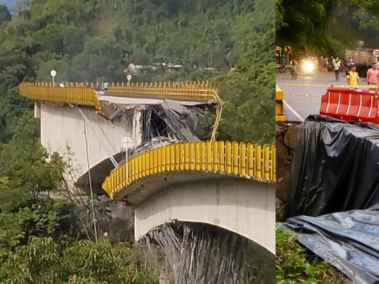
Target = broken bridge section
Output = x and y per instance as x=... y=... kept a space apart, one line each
x=226 y=184
x=86 y=125
x=169 y=172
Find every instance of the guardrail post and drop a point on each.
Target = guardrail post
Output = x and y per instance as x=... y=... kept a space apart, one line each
x=279 y=97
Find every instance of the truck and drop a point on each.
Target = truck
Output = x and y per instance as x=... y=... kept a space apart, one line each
x=362 y=58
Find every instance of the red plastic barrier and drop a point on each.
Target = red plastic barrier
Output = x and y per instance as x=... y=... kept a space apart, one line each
x=350 y=104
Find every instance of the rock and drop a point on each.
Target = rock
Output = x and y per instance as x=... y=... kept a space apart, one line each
x=279 y=130
x=290 y=137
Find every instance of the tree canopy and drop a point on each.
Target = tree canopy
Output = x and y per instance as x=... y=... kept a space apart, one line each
x=327 y=26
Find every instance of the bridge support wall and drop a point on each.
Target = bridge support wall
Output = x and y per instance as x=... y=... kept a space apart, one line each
x=63 y=130
x=242 y=206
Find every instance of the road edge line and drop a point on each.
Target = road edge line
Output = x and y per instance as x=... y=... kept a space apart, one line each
x=294 y=112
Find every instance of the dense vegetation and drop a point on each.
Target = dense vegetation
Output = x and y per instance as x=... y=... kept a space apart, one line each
x=95 y=40
x=326 y=27
x=295 y=265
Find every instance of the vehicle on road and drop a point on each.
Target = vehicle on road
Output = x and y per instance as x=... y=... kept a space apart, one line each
x=308 y=68
x=362 y=58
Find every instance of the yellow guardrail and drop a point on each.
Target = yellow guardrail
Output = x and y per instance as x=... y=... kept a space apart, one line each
x=67 y=94
x=279 y=97
x=188 y=91
x=247 y=160
x=76 y=93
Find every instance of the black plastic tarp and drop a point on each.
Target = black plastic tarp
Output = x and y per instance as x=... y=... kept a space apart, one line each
x=336 y=167
x=348 y=240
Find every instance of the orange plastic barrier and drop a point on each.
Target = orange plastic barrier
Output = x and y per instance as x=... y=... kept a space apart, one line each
x=350 y=104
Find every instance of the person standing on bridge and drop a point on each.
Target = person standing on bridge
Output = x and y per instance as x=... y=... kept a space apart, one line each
x=353 y=77
x=293 y=68
x=105 y=87
x=337 y=70
x=283 y=65
x=321 y=64
x=372 y=75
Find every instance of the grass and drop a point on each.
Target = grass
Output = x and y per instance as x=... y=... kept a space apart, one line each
x=295 y=264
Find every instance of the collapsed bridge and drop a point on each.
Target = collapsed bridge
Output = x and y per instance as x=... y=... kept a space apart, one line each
x=166 y=171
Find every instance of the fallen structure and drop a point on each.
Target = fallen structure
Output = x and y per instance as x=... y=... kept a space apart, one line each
x=347 y=240
x=156 y=122
x=334 y=201
x=335 y=167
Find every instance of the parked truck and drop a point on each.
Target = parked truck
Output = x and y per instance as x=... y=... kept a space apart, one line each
x=362 y=58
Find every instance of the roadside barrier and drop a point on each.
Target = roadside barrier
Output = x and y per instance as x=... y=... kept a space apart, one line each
x=350 y=104
x=279 y=97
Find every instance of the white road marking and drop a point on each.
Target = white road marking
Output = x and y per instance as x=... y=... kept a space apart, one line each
x=293 y=111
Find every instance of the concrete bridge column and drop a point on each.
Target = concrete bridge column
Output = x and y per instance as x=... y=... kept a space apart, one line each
x=65 y=130
x=242 y=206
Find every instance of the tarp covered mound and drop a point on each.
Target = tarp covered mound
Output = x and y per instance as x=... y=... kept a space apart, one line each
x=336 y=167
x=336 y=172
x=348 y=240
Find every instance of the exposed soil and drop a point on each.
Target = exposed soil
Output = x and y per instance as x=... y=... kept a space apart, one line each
x=286 y=139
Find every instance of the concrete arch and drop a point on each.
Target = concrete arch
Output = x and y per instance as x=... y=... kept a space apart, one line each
x=241 y=206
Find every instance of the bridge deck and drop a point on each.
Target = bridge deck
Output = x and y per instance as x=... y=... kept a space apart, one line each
x=243 y=160
x=140 y=101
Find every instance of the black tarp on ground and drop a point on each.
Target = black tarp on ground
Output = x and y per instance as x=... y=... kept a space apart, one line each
x=336 y=167
x=348 y=240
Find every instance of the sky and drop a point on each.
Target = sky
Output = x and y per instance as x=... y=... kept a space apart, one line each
x=9 y=3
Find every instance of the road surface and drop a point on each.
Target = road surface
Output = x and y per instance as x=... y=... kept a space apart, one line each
x=141 y=101
x=298 y=108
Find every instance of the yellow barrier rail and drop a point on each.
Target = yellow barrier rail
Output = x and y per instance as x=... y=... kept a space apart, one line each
x=279 y=97
x=246 y=160
x=77 y=93
x=188 y=91
x=51 y=93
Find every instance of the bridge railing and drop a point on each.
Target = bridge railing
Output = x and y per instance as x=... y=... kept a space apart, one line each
x=189 y=91
x=49 y=92
x=84 y=94
x=246 y=160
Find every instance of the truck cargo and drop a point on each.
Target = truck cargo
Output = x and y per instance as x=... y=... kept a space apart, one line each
x=362 y=58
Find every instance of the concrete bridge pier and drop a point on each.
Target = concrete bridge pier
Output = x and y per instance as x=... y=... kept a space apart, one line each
x=245 y=207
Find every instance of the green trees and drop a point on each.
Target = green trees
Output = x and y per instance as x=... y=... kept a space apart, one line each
x=328 y=26
x=5 y=16
x=249 y=90
x=94 y=40
x=43 y=260
x=36 y=244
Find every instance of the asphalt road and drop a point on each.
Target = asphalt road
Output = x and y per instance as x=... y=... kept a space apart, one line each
x=298 y=108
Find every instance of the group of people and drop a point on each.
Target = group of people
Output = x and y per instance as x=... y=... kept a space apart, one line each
x=338 y=66
x=352 y=75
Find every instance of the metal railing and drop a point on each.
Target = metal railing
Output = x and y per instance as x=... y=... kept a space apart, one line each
x=84 y=94
x=187 y=91
x=279 y=97
x=246 y=160
x=49 y=92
